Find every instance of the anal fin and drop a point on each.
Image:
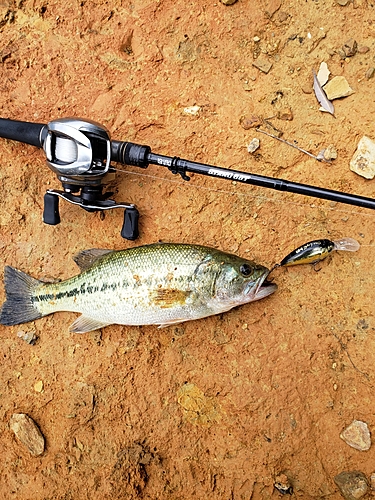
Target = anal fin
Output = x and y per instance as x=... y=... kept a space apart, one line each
x=83 y=324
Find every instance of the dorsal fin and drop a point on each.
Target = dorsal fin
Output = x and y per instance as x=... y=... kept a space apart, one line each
x=86 y=258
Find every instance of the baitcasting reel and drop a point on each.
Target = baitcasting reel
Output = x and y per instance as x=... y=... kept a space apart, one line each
x=80 y=153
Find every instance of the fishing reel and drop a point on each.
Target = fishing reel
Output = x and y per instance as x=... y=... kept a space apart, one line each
x=79 y=152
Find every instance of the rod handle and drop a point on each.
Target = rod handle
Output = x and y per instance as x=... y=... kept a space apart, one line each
x=29 y=133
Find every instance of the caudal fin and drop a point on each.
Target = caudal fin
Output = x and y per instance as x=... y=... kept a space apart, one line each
x=19 y=306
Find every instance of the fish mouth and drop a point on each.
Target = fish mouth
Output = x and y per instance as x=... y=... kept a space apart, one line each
x=261 y=288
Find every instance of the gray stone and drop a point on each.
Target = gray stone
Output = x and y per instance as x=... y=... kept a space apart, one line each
x=352 y=485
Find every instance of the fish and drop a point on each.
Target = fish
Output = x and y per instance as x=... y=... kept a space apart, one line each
x=317 y=250
x=159 y=284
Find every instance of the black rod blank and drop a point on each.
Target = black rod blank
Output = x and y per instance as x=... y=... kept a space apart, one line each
x=129 y=153
x=181 y=166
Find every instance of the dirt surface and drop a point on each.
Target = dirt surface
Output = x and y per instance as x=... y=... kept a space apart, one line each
x=227 y=406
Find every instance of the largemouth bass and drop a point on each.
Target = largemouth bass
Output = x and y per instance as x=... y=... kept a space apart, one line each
x=159 y=284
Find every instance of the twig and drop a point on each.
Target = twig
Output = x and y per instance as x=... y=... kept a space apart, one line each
x=344 y=348
x=319 y=158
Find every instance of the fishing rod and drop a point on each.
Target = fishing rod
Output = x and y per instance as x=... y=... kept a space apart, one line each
x=80 y=152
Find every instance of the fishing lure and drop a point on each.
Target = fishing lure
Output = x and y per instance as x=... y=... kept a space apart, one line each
x=317 y=250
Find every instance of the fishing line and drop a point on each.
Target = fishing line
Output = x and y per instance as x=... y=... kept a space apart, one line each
x=249 y=195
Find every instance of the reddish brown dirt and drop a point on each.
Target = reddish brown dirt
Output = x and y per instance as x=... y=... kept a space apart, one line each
x=217 y=408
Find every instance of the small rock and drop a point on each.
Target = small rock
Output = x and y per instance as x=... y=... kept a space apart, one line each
x=192 y=110
x=250 y=122
x=370 y=73
x=273 y=130
x=330 y=153
x=253 y=146
x=38 y=386
x=283 y=16
x=357 y=435
x=343 y=2
x=353 y=485
x=285 y=114
x=28 y=433
x=372 y=481
x=338 y=87
x=323 y=73
x=341 y=53
x=306 y=87
x=313 y=39
x=256 y=39
x=363 y=49
x=272 y=7
x=350 y=47
x=327 y=154
x=28 y=337
x=363 y=161
x=263 y=64
x=282 y=484
x=228 y=2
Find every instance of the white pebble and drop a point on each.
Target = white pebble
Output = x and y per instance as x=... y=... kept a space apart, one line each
x=357 y=435
x=253 y=146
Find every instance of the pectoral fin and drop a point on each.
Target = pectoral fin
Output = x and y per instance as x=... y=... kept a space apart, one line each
x=84 y=324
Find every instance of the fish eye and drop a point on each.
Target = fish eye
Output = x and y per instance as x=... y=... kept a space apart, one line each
x=245 y=270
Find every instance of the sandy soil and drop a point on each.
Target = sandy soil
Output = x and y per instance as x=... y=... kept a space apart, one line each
x=217 y=408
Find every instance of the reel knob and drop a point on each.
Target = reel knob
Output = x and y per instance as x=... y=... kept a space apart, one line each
x=51 y=214
x=129 y=229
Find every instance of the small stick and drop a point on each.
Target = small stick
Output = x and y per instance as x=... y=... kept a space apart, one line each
x=344 y=348
x=291 y=144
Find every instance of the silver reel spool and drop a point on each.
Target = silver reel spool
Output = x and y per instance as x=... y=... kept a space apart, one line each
x=78 y=151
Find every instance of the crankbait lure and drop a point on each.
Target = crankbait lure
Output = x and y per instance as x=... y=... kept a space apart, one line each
x=317 y=250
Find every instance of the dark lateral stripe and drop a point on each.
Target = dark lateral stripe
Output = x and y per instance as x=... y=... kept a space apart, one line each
x=74 y=292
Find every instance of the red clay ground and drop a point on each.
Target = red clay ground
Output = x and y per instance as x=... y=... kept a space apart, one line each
x=217 y=408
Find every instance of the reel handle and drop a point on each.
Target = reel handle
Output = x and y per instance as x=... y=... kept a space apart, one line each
x=51 y=214
x=129 y=229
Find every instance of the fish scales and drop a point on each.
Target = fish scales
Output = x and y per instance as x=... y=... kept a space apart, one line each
x=122 y=285
x=155 y=284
